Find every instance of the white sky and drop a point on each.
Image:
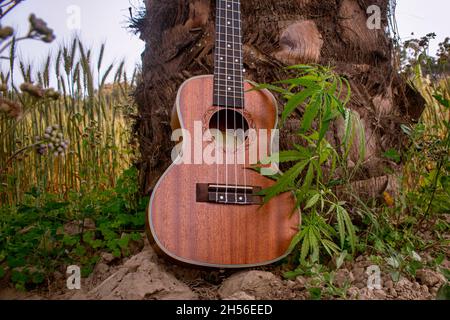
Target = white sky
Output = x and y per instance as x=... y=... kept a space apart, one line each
x=106 y=21
x=422 y=17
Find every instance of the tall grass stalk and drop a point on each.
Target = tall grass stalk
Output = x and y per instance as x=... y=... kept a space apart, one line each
x=93 y=117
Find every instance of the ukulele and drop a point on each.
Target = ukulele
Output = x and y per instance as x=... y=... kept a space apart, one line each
x=206 y=210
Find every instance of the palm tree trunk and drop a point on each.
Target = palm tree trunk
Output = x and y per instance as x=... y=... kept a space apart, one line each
x=180 y=44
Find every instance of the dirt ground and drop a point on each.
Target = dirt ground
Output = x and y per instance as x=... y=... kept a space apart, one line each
x=146 y=276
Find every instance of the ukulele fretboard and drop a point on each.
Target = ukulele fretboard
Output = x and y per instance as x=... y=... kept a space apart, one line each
x=228 y=73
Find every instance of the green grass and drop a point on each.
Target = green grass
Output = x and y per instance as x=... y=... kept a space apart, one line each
x=36 y=238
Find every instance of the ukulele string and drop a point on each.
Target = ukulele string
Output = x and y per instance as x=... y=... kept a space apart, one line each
x=241 y=93
x=235 y=137
x=227 y=5
x=218 y=85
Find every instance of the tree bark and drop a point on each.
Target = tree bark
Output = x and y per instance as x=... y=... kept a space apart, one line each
x=180 y=44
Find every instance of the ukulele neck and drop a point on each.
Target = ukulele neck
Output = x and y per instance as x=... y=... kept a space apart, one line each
x=228 y=72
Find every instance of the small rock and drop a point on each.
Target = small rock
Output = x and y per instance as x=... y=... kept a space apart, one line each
x=89 y=224
x=353 y=292
x=254 y=283
x=301 y=282
x=342 y=277
x=434 y=291
x=425 y=289
x=366 y=294
x=359 y=274
x=430 y=278
x=416 y=286
x=389 y=284
x=380 y=294
x=107 y=257
x=403 y=283
x=291 y=284
x=393 y=292
x=102 y=268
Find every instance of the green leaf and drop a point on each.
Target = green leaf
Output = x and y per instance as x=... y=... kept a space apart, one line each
x=315 y=293
x=15 y=262
x=312 y=201
x=330 y=247
x=293 y=274
x=284 y=182
x=311 y=112
x=304 y=67
x=37 y=277
x=124 y=241
x=304 y=82
x=295 y=101
x=445 y=182
x=340 y=259
x=442 y=100
x=308 y=177
x=345 y=227
x=341 y=225
x=444 y=292
x=393 y=155
x=19 y=277
x=272 y=88
x=446 y=273
x=296 y=240
x=314 y=244
x=305 y=247
x=286 y=156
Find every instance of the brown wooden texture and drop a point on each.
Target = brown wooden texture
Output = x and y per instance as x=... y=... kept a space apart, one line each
x=214 y=234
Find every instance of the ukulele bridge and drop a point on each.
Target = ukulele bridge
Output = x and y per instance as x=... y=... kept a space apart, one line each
x=229 y=194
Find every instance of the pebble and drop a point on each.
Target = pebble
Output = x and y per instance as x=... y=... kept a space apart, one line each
x=353 y=292
x=107 y=257
x=301 y=281
x=393 y=292
x=380 y=294
x=102 y=268
x=389 y=284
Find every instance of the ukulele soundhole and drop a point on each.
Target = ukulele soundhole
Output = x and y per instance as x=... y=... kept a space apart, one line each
x=231 y=124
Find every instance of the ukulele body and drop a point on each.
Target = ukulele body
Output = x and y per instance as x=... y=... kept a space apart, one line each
x=210 y=234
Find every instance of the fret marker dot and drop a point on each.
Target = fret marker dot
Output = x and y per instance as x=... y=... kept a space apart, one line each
x=221 y=197
x=229 y=22
x=229 y=78
x=221 y=58
x=229 y=89
x=229 y=46
x=237 y=60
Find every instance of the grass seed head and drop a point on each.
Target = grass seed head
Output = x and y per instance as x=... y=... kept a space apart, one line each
x=6 y=32
x=3 y=87
x=32 y=90
x=11 y=108
x=40 y=27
